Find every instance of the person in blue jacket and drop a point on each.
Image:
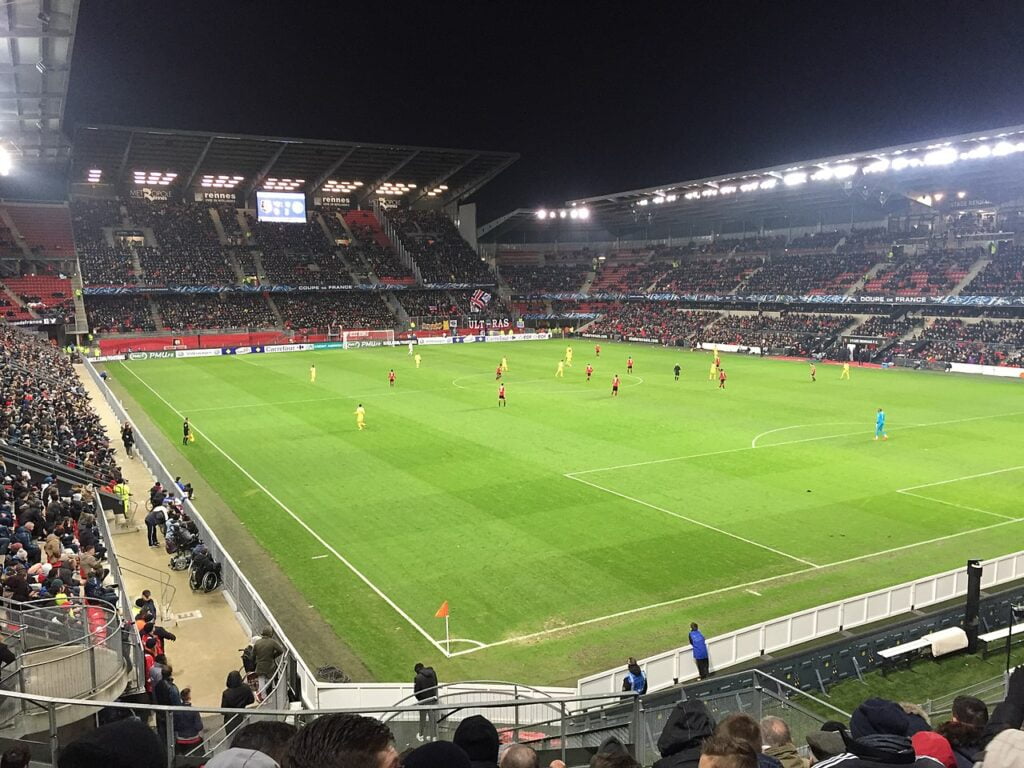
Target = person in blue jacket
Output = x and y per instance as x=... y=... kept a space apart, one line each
x=700 y=651
x=635 y=679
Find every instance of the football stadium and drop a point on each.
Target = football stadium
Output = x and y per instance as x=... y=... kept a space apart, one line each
x=307 y=461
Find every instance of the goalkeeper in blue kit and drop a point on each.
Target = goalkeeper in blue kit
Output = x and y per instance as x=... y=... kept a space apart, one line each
x=880 y=425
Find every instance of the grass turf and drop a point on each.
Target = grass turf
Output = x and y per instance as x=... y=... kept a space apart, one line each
x=447 y=497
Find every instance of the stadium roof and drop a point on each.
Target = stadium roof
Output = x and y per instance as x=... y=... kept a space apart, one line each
x=246 y=163
x=935 y=175
x=35 y=61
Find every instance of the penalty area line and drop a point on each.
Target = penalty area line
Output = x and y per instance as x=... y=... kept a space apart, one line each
x=723 y=590
x=341 y=558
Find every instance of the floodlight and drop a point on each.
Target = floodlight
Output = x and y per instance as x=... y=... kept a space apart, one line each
x=442 y=186
x=961 y=195
x=574 y=214
x=642 y=201
x=944 y=156
x=750 y=186
x=692 y=195
x=768 y=184
x=938 y=196
x=979 y=152
x=727 y=189
x=822 y=174
x=900 y=163
x=709 y=193
x=670 y=198
x=584 y=213
x=659 y=200
x=562 y=214
x=794 y=179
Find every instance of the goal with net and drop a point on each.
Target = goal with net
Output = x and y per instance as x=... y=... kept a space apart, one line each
x=368 y=338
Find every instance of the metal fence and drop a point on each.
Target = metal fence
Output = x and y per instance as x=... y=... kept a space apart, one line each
x=236 y=587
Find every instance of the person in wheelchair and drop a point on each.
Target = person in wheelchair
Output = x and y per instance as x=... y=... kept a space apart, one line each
x=205 y=573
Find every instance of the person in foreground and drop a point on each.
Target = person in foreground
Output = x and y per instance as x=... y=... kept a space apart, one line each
x=726 y=752
x=342 y=741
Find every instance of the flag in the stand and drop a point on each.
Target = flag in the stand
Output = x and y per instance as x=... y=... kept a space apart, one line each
x=479 y=300
x=442 y=612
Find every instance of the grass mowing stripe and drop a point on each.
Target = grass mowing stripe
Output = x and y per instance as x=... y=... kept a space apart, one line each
x=297 y=519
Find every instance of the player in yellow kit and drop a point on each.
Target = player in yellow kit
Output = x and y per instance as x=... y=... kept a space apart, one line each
x=568 y=356
x=361 y=417
x=712 y=371
x=504 y=365
x=417 y=358
x=846 y=372
x=312 y=374
x=560 y=373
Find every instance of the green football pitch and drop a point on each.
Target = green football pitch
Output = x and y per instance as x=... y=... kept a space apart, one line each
x=571 y=529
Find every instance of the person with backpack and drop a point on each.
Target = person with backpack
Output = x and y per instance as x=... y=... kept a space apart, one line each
x=635 y=679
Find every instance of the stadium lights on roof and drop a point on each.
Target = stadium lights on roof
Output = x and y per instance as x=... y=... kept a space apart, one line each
x=750 y=186
x=221 y=181
x=94 y=175
x=794 y=179
x=727 y=189
x=561 y=213
x=961 y=195
x=938 y=196
x=283 y=185
x=943 y=156
x=336 y=186
x=542 y=214
x=160 y=178
x=768 y=184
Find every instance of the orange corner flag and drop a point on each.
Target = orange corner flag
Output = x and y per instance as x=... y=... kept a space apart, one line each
x=442 y=612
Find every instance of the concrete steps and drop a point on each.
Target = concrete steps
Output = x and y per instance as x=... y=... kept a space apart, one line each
x=218 y=225
x=858 y=286
x=972 y=273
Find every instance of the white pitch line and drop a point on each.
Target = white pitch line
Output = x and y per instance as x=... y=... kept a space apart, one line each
x=758 y=594
x=958 y=506
x=318 y=557
x=298 y=520
x=696 y=522
x=753 y=443
x=723 y=590
x=786 y=442
x=958 y=479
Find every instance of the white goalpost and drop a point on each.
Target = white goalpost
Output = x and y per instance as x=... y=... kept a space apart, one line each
x=368 y=338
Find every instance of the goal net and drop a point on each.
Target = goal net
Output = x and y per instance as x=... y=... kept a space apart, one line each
x=356 y=339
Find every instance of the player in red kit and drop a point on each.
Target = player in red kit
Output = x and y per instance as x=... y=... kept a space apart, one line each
x=497 y=373
x=615 y=385
x=629 y=365
x=721 y=378
x=391 y=377
x=597 y=350
x=501 y=396
x=590 y=370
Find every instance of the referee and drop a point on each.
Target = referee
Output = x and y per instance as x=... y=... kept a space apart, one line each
x=186 y=431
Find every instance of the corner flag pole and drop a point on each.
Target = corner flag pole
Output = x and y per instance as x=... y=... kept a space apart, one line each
x=442 y=613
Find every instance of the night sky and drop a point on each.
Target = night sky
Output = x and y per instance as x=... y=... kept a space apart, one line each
x=594 y=100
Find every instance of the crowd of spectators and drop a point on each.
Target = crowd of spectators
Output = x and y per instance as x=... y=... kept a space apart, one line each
x=806 y=333
x=228 y=216
x=986 y=342
x=176 y=224
x=861 y=239
x=118 y=314
x=300 y=238
x=653 y=320
x=345 y=310
x=90 y=217
x=810 y=274
x=1002 y=276
x=712 y=276
x=438 y=248
x=334 y=225
x=760 y=244
x=186 y=265
x=103 y=265
x=887 y=326
x=45 y=408
x=931 y=274
x=322 y=268
x=549 y=278
x=624 y=276
x=383 y=261
x=206 y=311
x=428 y=303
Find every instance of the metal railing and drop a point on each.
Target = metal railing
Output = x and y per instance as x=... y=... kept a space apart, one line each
x=167 y=590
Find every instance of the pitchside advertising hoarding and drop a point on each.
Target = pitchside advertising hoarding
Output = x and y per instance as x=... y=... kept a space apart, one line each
x=281 y=207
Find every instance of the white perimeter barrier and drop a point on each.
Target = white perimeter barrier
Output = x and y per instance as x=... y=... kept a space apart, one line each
x=988 y=370
x=666 y=669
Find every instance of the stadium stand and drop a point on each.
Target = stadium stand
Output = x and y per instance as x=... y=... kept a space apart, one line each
x=45 y=295
x=46 y=229
x=427 y=303
x=187 y=313
x=810 y=274
x=715 y=276
x=323 y=268
x=933 y=274
x=298 y=238
x=653 y=320
x=550 y=278
x=623 y=274
x=119 y=314
x=346 y=310
x=104 y=265
x=186 y=265
x=54 y=419
x=1002 y=276
x=177 y=224
x=438 y=248
x=985 y=342
x=806 y=333
x=90 y=217
x=887 y=326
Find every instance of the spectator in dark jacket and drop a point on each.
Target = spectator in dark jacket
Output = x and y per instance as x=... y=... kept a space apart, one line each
x=479 y=740
x=684 y=733
x=965 y=729
x=880 y=716
x=424 y=688
x=237 y=695
x=188 y=726
x=266 y=651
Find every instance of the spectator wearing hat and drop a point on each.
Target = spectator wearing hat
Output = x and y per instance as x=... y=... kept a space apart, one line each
x=439 y=754
x=236 y=695
x=687 y=727
x=478 y=738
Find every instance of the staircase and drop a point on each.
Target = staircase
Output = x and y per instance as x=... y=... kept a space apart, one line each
x=78 y=297
x=218 y=225
x=136 y=264
x=8 y=221
x=236 y=267
x=396 y=306
x=742 y=283
x=587 y=282
x=323 y=228
x=278 y=319
x=158 y=322
x=858 y=285
x=972 y=273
